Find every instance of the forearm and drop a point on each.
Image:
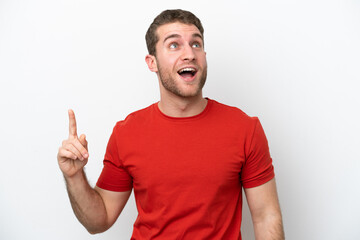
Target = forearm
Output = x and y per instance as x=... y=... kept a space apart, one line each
x=269 y=228
x=87 y=204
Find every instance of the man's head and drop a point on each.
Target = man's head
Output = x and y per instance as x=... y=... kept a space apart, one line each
x=176 y=54
x=169 y=16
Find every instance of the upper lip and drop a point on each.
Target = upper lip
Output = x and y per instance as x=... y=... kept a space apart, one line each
x=187 y=68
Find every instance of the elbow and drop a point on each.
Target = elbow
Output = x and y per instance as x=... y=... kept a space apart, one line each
x=96 y=229
x=93 y=232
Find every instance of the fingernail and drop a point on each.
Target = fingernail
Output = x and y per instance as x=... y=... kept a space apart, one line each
x=86 y=155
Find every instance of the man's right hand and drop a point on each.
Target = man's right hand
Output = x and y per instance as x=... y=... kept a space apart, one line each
x=97 y=209
x=73 y=153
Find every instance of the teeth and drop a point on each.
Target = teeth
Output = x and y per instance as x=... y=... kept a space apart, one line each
x=187 y=70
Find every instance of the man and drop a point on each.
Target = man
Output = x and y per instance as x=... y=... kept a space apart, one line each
x=186 y=157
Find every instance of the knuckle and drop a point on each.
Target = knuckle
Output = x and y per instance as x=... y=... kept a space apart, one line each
x=60 y=150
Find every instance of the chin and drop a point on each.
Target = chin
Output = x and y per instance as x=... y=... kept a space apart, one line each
x=188 y=93
x=180 y=88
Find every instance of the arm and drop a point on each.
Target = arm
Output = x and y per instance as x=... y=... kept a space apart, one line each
x=265 y=211
x=96 y=209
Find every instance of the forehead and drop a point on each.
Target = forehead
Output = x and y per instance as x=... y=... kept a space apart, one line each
x=177 y=28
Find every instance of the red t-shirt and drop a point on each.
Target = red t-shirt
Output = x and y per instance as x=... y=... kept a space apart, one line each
x=187 y=173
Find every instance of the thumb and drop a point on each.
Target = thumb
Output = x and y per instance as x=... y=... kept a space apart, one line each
x=83 y=141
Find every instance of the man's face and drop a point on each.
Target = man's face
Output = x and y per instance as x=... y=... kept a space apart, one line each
x=180 y=60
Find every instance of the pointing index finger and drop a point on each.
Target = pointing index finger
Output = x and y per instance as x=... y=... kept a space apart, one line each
x=72 y=123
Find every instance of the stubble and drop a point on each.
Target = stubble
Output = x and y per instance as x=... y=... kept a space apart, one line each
x=171 y=85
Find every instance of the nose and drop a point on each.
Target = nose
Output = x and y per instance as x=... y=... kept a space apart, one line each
x=188 y=54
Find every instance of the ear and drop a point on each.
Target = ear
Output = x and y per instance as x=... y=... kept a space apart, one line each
x=151 y=62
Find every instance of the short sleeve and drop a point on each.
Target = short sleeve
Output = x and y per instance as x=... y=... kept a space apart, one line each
x=258 y=168
x=114 y=176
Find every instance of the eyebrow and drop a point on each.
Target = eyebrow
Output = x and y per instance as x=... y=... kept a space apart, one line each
x=195 y=35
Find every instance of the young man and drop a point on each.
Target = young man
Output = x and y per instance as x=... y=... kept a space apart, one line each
x=186 y=157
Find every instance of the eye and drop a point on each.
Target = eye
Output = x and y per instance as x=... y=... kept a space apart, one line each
x=173 y=46
x=196 y=45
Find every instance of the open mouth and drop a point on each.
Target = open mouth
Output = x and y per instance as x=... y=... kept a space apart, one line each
x=187 y=73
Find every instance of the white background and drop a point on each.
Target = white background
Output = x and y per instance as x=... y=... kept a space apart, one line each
x=294 y=64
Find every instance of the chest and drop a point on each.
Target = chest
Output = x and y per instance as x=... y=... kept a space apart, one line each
x=184 y=157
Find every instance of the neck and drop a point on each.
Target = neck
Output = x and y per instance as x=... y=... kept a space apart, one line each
x=182 y=107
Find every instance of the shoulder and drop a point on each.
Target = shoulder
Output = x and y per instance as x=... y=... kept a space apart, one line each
x=232 y=113
x=135 y=119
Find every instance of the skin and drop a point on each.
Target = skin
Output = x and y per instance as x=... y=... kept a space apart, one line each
x=97 y=209
x=265 y=211
x=180 y=45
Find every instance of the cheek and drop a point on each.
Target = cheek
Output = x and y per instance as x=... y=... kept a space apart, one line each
x=168 y=63
x=203 y=63
x=202 y=58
